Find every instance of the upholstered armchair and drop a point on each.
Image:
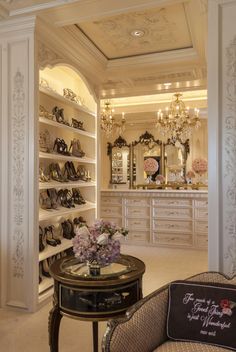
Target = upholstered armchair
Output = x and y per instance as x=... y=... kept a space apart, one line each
x=143 y=329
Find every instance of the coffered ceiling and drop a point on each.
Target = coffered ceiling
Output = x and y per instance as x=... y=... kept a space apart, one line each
x=167 y=54
x=140 y=33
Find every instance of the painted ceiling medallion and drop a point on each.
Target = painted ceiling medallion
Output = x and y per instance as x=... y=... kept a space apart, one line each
x=158 y=30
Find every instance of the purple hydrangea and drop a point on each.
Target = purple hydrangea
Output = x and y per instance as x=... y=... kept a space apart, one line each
x=98 y=243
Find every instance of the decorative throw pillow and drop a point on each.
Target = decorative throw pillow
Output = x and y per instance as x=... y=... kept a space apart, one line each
x=202 y=312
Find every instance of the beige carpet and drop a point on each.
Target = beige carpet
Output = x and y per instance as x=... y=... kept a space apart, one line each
x=22 y=332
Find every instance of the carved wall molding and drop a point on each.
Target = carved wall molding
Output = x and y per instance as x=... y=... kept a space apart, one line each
x=47 y=56
x=229 y=143
x=18 y=153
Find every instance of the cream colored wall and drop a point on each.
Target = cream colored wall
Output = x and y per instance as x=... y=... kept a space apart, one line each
x=198 y=145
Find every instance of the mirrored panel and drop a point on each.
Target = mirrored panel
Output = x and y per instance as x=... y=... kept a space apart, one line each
x=175 y=158
x=119 y=153
x=147 y=159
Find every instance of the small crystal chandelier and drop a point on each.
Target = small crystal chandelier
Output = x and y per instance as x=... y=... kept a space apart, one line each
x=175 y=122
x=108 y=124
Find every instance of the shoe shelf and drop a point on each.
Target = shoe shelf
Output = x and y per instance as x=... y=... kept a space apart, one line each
x=49 y=251
x=59 y=97
x=65 y=127
x=57 y=185
x=46 y=283
x=56 y=156
x=48 y=214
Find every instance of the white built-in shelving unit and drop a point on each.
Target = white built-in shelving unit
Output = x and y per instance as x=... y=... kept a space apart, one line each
x=50 y=96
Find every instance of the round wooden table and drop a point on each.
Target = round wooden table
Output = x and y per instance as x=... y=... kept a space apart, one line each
x=79 y=295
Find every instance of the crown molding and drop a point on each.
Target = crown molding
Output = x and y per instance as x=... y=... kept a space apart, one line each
x=88 y=10
x=79 y=37
x=155 y=59
x=18 y=24
x=40 y=7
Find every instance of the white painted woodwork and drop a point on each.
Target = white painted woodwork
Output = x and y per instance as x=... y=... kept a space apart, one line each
x=222 y=136
x=159 y=218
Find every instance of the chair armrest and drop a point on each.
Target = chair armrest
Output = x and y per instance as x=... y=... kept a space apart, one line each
x=142 y=329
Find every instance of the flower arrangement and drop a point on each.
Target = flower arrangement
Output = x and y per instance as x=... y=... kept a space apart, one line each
x=160 y=178
x=199 y=166
x=150 y=166
x=99 y=243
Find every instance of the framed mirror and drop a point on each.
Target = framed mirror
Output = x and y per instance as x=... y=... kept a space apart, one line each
x=175 y=158
x=147 y=150
x=119 y=153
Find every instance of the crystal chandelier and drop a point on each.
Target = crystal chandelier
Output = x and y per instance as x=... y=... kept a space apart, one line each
x=108 y=123
x=175 y=122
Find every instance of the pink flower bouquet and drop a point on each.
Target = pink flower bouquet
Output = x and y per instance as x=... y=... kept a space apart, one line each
x=99 y=243
x=199 y=166
x=150 y=166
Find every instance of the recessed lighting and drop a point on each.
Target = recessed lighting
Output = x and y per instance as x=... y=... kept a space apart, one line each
x=167 y=84
x=137 y=33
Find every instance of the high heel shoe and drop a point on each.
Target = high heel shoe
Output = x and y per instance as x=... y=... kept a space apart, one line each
x=58 y=113
x=51 y=229
x=41 y=243
x=42 y=176
x=78 y=198
x=76 y=148
x=71 y=175
x=52 y=193
x=44 y=200
x=45 y=268
x=56 y=173
x=61 y=147
x=82 y=173
x=50 y=240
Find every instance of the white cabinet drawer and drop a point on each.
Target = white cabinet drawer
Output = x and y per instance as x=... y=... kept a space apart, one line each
x=138 y=236
x=172 y=213
x=201 y=227
x=111 y=211
x=172 y=202
x=201 y=213
x=201 y=203
x=137 y=224
x=137 y=212
x=183 y=240
x=111 y=201
x=116 y=221
x=172 y=226
x=137 y=202
x=202 y=241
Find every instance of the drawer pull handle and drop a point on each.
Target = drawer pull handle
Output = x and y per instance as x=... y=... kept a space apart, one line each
x=137 y=223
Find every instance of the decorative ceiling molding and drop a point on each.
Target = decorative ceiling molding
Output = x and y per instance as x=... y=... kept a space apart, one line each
x=162 y=29
x=88 y=10
x=47 y=57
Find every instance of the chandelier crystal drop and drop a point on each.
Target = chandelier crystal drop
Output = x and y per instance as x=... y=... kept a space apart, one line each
x=175 y=122
x=108 y=123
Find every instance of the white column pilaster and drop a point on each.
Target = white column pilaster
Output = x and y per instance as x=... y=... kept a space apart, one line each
x=222 y=135
x=18 y=163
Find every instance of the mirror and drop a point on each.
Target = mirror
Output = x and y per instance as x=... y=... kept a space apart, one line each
x=146 y=148
x=119 y=153
x=175 y=158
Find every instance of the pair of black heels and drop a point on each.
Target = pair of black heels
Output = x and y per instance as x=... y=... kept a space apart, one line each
x=77 y=124
x=56 y=173
x=78 y=198
x=71 y=172
x=66 y=198
x=61 y=147
x=68 y=229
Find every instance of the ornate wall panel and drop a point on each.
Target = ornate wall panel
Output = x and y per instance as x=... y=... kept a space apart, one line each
x=18 y=161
